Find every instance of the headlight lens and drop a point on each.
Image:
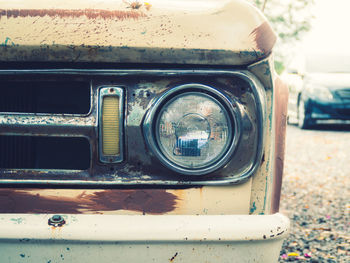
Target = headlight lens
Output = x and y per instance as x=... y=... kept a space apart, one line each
x=193 y=130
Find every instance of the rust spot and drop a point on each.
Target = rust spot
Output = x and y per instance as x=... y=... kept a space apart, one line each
x=201 y=192
x=281 y=101
x=280 y=233
x=262 y=160
x=133 y=5
x=151 y=201
x=264 y=37
x=148 y=201
x=64 y=13
x=172 y=259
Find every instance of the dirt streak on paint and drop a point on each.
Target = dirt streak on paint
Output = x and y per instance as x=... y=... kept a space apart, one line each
x=66 y=13
x=155 y=201
x=264 y=37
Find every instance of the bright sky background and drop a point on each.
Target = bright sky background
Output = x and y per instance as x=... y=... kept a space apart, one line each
x=331 y=27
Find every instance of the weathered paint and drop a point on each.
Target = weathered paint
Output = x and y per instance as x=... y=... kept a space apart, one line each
x=185 y=228
x=261 y=195
x=72 y=35
x=281 y=103
x=69 y=13
x=264 y=71
x=217 y=32
x=122 y=238
x=214 y=200
x=227 y=33
x=206 y=200
x=154 y=201
x=49 y=124
x=173 y=257
x=267 y=182
x=264 y=37
x=142 y=88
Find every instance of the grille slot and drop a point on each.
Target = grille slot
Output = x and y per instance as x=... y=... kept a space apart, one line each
x=345 y=112
x=32 y=152
x=37 y=96
x=344 y=94
x=16 y=152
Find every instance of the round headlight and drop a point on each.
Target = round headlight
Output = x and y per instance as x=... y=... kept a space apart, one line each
x=192 y=129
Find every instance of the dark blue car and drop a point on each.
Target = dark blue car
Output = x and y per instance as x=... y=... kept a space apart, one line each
x=321 y=92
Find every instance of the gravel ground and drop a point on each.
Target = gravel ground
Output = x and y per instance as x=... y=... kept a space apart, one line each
x=316 y=194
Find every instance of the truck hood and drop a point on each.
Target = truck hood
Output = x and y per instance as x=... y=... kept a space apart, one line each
x=120 y=31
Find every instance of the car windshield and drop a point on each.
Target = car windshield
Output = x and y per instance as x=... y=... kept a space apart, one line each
x=328 y=63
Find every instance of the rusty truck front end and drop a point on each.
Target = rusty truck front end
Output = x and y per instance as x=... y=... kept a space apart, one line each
x=139 y=131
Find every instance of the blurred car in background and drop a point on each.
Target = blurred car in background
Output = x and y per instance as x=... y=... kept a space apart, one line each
x=319 y=90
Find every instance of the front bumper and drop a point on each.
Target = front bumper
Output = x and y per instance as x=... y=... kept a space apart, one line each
x=147 y=238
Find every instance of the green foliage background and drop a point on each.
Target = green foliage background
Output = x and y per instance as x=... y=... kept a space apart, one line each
x=291 y=19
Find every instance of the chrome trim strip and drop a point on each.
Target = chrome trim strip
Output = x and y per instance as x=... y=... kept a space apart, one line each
x=44 y=124
x=118 y=92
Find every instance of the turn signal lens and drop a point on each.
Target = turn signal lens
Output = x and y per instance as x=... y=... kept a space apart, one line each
x=110 y=125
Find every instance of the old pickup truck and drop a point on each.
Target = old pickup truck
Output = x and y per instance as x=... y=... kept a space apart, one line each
x=139 y=132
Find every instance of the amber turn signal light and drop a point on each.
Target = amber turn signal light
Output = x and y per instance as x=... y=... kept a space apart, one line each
x=110 y=124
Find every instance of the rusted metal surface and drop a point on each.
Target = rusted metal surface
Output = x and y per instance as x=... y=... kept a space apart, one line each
x=281 y=103
x=264 y=37
x=66 y=13
x=173 y=257
x=164 y=32
x=173 y=32
x=206 y=200
x=268 y=179
x=29 y=124
x=156 y=201
x=167 y=32
x=125 y=54
x=261 y=195
x=152 y=238
x=142 y=88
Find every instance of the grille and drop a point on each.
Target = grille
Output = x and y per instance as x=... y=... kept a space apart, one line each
x=56 y=127
x=44 y=123
x=344 y=94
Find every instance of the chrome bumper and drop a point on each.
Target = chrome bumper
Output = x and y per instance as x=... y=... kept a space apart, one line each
x=147 y=238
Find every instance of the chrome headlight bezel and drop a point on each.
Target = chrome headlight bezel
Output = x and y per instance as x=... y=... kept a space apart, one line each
x=151 y=120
